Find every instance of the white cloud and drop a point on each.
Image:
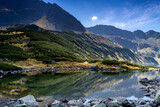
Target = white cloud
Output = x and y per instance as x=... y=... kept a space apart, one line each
x=119 y=25
x=139 y=17
x=94 y=18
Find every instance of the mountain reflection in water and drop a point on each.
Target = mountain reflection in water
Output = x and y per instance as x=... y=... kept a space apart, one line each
x=85 y=84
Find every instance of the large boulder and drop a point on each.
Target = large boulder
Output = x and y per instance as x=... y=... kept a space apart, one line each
x=27 y=101
x=157 y=98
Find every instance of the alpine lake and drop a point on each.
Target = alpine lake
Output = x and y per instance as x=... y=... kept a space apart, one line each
x=84 y=84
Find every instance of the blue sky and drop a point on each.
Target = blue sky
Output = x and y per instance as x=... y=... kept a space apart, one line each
x=125 y=14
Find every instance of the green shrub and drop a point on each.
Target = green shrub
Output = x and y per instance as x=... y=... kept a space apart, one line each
x=110 y=62
x=93 y=61
x=124 y=67
x=144 y=67
x=12 y=53
x=8 y=67
x=47 y=51
x=7 y=37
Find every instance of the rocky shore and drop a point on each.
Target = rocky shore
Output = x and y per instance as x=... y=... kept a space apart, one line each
x=30 y=101
x=150 y=99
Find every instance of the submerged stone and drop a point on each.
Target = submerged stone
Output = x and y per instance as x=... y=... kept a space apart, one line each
x=94 y=68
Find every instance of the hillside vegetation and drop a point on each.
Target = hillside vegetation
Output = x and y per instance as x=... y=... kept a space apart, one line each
x=46 y=46
x=145 y=43
x=8 y=67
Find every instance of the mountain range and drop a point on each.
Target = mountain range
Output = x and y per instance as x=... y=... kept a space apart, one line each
x=145 y=43
x=29 y=41
x=44 y=31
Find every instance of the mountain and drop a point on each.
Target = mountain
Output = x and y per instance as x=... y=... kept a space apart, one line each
x=20 y=44
x=145 y=43
x=45 y=15
x=110 y=31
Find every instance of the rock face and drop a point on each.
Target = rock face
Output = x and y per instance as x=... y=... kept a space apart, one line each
x=45 y=15
x=28 y=101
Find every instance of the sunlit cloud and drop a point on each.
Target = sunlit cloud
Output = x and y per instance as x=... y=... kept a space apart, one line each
x=94 y=18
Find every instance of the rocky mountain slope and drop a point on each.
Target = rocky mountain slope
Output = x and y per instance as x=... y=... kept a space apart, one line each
x=45 y=15
x=46 y=45
x=145 y=43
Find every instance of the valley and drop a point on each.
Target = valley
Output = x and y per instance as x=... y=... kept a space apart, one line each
x=49 y=58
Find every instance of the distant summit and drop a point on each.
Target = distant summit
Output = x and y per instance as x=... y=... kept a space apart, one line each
x=45 y=15
x=145 y=43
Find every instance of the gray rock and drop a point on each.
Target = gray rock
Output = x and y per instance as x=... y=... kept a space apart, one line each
x=157 y=98
x=142 y=102
x=28 y=101
x=146 y=105
x=15 y=90
x=1 y=72
x=147 y=94
x=95 y=102
x=75 y=103
x=112 y=104
x=144 y=80
x=122 y=101
x=100 y=105
x=19 y=103
x=56 y=103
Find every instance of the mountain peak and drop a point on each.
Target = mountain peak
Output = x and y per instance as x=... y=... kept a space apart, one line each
x=30 y=11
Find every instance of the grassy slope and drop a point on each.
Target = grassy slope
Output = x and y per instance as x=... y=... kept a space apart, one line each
x=71 y=46
x=8 y=67
x=12 y=53
x=45 y=46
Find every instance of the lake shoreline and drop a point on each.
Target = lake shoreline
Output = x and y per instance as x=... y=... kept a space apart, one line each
x=151 y=86
x=68 y=70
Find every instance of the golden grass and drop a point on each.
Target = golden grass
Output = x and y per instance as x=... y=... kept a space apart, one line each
x=8 y=88
x=131 y=67
x=29 y=64
x=71 y=71
x=68 y=64
x=34 y=64
x=32 y=73
x=21 y=81
x=12 y=33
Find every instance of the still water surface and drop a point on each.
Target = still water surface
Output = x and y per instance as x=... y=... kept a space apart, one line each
x=85 y=84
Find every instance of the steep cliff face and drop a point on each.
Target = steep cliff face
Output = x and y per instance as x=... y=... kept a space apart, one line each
x=46 y=15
